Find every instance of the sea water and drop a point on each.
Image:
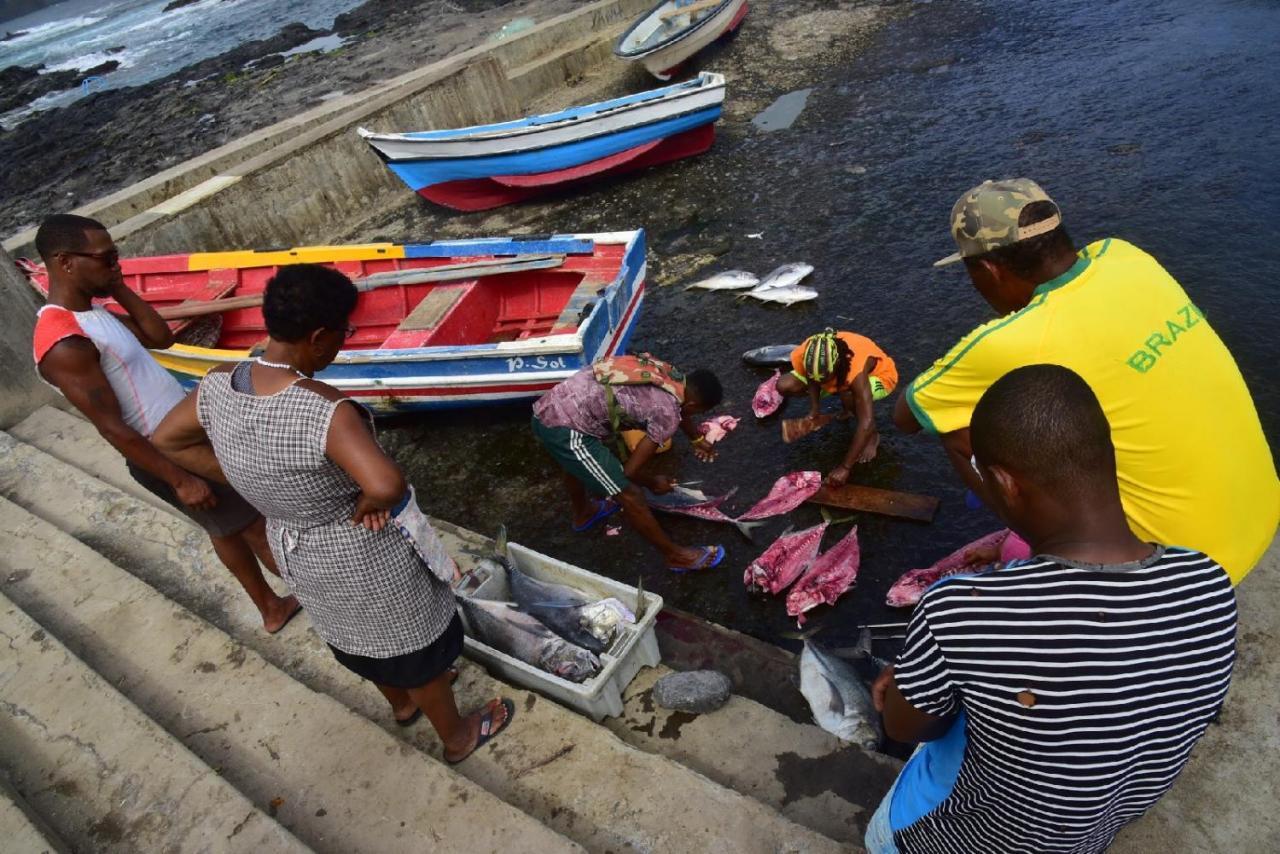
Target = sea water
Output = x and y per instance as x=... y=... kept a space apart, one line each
x=148 y=42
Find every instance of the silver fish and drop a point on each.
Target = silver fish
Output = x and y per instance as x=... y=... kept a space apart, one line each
x=561 y=609
x=729 y=280
x=784 y=296
x=683 y=501
x=772 y=356
x=840 y=701
x=786 y=276
x=504 y=627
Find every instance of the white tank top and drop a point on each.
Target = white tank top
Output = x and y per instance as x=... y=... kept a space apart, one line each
x=145 y=390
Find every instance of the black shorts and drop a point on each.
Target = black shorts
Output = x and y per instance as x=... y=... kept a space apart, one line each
x=231 y=515
x=412 y=669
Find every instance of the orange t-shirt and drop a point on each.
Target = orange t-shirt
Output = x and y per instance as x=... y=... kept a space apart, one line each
x=863 y=348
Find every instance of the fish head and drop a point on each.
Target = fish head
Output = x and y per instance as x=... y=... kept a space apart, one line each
x=571 y=662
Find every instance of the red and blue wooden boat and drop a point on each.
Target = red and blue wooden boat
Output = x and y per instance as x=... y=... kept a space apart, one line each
x=486 y=166
x=425 y=345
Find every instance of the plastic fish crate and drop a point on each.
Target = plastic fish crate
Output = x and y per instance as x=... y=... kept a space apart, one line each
x=634 y=646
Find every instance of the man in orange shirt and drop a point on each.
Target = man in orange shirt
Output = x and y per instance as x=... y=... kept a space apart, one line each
x=853 y=367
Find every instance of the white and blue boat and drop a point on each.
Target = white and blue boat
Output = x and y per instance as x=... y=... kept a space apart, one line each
x=486 y=166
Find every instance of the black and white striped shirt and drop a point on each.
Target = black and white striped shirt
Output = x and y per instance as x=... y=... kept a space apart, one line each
x=1082 y=691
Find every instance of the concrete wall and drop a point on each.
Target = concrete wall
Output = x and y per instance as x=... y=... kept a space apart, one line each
x=21 y=391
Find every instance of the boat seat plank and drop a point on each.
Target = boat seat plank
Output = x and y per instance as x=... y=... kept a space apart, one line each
x=587 y=291
x=426 y=316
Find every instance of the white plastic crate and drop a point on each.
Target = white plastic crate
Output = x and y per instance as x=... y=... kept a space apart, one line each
x=634 y=646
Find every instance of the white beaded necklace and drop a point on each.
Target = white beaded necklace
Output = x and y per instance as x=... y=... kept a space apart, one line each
x=266 y=364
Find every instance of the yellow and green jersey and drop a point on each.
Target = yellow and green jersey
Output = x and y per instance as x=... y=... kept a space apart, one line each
x=1194 y=467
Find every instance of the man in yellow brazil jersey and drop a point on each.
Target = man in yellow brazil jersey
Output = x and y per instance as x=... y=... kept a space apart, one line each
x=1194 y=466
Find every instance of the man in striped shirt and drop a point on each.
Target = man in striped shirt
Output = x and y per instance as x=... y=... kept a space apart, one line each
x=1057 y=697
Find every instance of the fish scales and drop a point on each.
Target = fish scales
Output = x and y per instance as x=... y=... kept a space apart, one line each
x=784 y=561
x=827 y=578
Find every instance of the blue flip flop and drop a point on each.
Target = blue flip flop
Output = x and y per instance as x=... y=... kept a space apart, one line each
x=604 y=509
x=711 y=557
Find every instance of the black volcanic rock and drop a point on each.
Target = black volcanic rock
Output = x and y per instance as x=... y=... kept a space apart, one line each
x=20 y=85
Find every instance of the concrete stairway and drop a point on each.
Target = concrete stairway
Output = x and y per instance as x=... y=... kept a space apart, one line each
x=103 y=572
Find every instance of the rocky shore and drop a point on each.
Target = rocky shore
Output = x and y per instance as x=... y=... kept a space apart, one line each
x=66 y=157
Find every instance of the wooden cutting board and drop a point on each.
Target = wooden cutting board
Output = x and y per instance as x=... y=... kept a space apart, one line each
x=903 y=505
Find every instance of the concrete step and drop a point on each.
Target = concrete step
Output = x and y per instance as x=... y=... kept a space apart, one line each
x=553 y=764
x=23 y=831
x=801 y=771
x=804 y=772
x=247 y=718
x=98 y=771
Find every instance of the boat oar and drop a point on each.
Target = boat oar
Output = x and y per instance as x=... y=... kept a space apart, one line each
x=446 y=273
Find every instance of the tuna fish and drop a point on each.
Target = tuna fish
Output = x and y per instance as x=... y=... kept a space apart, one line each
x=557 y=607
x=683 y=501
x=839 y=699
x=830 y=576
x=1002 y=546
x=715 y=429
x=504 y=627
x=784 y=561
x=790 y=491
x=730 y=280
x=767 y=398
x=773 y=356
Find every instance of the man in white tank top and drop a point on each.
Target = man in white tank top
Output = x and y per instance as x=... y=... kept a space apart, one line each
x=99 y=361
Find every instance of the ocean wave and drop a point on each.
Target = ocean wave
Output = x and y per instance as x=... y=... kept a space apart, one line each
x=86 y=61
x=55 y=28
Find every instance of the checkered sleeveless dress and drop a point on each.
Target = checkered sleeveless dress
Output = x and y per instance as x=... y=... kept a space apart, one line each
x=366 y=592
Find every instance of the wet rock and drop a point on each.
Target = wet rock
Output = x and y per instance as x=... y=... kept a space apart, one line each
x=20 y=85
x=696 y=691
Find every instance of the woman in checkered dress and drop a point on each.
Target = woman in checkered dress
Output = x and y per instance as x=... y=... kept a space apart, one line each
x=306 y=457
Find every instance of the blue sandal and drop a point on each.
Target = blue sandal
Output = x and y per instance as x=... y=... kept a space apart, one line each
x=487 y=730
x=604 y=509
x=711 y=557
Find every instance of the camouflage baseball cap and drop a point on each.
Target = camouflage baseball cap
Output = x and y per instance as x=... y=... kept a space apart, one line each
x=986 y=217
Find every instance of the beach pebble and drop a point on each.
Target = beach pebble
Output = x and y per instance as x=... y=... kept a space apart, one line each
x=696 y=691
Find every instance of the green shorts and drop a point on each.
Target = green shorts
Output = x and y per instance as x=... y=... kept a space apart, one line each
x=583 y=456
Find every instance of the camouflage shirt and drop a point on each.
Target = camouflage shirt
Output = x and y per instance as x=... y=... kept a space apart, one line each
x=579 y=403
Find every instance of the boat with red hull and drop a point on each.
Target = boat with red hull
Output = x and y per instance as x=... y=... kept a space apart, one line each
x=429 y=332
x=486 y=166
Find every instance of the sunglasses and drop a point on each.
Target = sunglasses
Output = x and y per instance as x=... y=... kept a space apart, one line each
x=111 y=257
x=347 y=332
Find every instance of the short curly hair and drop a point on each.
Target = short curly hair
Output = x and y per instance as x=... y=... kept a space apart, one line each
x=302 y=298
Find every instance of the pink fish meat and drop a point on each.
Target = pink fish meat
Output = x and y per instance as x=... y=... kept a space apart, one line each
x=768 y=398
x=715 y=429
x=683 y=501
x=783 y=561
x=998 y=546
x=827 y=578
x=790 y=491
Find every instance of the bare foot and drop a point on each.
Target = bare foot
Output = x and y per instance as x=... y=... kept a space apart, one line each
x=279 y=613
x=480 y=727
